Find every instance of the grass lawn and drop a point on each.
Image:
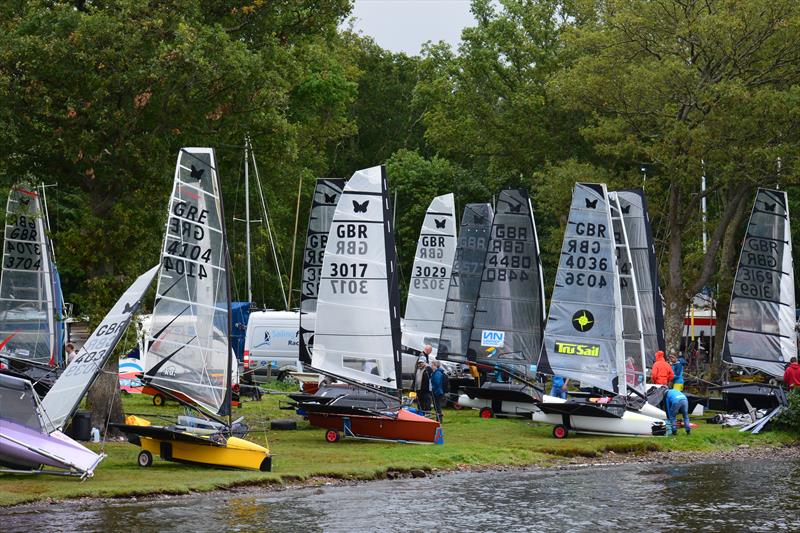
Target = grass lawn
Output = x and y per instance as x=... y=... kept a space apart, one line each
x=303 y=454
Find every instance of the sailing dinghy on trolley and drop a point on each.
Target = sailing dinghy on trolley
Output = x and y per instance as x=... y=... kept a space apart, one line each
x=31 y=438
x=31 y=303
x=357 y=338
x=594 y=330
x=189 y=358
x=508 y=322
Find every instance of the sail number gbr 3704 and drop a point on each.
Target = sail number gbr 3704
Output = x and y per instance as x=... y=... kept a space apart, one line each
x=347 y=277
x=186 y=229
x=23 y=251
x=583 y=254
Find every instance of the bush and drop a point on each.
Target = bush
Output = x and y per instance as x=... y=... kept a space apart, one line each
x=789 y=419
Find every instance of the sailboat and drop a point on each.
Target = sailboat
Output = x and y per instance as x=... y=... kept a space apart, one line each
x=357 y=338
x=760 y=331
x=465 y=281
x=31 y=327
x=430 y=276
x=633 y=207
x=31 y=438
x=508 y=323
x=190 y=356
x=594 y=331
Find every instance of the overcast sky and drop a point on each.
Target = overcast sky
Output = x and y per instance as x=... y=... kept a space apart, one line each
x=404 y=25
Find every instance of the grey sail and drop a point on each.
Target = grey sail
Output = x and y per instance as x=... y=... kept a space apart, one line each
x=430 y=275
x=760 y=330
x=632 y=364
x=28 y=308
x=582 y=338
x=465 y=282
x=61 y=401
x=509 y=317
x=642 y=248
x=189 y=354
x=323 y=205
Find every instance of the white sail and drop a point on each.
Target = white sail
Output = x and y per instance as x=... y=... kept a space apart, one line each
x=645 y=268
x=326 y=196
x=189 y=354
x=430 y=276
x=760 y=332
x=28 y=309
x=583 y=336
x=65 y=396
x=632 y=364
x=358 y=316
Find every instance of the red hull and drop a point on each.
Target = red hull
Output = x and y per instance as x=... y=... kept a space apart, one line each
x=405 y=426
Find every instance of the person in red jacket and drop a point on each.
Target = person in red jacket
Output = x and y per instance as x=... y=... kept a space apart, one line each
x=662 y=373
x=791 y=377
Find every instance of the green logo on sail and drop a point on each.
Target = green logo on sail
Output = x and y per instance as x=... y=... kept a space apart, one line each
x=573 y=348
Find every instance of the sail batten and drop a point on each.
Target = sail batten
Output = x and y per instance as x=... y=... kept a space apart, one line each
x=760 y=332
x=509 y=317
x=189 y=354
x=430 y=275
x=357 y=325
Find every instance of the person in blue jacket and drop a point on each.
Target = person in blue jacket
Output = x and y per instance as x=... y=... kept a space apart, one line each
x=559 y=388
x=437 y=387
x=678 y=364
x=676 y=402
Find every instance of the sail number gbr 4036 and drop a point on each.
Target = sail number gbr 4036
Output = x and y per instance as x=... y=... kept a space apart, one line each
x=583 y=254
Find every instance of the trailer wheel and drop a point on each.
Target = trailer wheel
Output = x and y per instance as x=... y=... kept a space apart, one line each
x=159 y=400
x=457 y=406
x=145 y=458
x=486 y=412
x=266 y=464
x=332 y=436
x=560 y=432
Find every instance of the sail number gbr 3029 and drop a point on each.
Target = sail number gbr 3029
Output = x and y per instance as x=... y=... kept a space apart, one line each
x=584 y=254
x=183 y=256
x=349 y=277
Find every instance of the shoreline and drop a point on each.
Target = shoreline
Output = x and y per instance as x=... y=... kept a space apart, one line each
x=291 y=482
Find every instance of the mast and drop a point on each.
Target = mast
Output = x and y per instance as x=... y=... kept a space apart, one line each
x=247 y=217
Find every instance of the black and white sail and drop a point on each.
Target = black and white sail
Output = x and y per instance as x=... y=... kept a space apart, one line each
x=190 y=353
x=358 y=306
x=645 y=267
x=465 y=282
x=30 y=311
x=323 y=205
x=583 y=336
x=760 y=332
x=633 y=359
x=509 y=318
x=430 y=276
x=61 y=401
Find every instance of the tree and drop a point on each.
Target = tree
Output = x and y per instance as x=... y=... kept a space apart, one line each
x=679 y=84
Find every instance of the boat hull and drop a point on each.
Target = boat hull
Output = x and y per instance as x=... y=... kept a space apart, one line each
x=631 y=423
x=404 y=426
x=505 y=407
x=182 y=446
x=22 y=448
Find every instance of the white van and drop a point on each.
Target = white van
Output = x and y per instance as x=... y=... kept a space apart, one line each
x=272 y=344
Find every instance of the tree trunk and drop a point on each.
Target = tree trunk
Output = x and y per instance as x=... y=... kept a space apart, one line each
x=104 y=399
x=674 y=294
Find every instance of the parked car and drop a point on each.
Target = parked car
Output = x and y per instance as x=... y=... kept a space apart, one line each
x=272 y=345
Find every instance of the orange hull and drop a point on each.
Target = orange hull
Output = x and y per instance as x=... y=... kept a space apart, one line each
x=405 y=426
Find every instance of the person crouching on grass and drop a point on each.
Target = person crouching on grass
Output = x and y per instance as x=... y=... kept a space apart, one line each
x=676 y=402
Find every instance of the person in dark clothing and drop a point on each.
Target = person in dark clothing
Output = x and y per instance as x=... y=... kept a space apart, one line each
x=438 y=378
x=422 y=384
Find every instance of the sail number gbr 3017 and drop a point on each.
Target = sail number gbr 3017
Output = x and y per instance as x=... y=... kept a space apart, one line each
x=345 y=277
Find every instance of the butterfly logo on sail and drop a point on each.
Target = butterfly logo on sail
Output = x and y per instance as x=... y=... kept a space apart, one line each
x=477 y=219
x=360 y=207
x=626 y=209
x=440 y=223
x=770 y=207
x=515 y=208
x=591 y=204
x=128 y=309
x=24 y=200
x=329 y=198
x=197 y=173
